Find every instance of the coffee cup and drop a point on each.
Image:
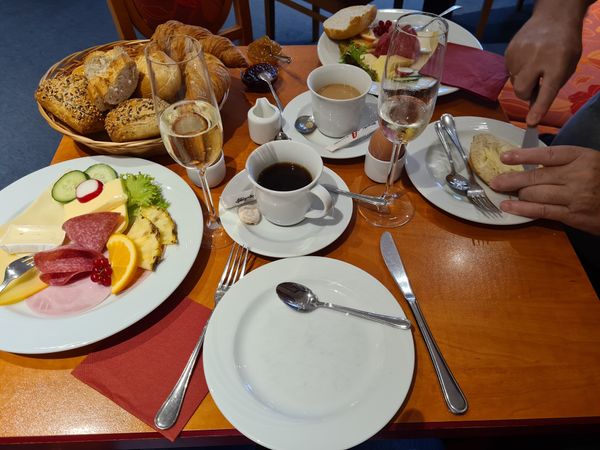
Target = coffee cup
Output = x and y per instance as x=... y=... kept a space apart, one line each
x=285 y=180
x=337 y=94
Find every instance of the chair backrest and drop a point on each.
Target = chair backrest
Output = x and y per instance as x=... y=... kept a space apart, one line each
x=146 y=15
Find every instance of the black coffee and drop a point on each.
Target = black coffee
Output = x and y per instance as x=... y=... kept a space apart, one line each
x=284 y=176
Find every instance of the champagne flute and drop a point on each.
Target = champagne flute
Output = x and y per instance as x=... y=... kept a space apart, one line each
x=407 y=97
x=188 y=116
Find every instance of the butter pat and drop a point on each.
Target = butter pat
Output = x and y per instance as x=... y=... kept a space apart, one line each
x=112 y=197
x=31 y=238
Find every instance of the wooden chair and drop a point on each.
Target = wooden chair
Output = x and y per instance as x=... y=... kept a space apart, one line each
x=315 y=12
x=145 y=15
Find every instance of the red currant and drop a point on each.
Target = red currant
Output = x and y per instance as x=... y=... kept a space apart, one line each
x=101 y=271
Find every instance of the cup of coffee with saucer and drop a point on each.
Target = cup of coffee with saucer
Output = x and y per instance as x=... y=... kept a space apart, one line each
x=285 y=181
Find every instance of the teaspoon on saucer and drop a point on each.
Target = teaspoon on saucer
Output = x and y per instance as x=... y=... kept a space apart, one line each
x=305 y=124
x=302 y=299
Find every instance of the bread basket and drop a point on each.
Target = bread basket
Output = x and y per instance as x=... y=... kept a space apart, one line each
x=99 y=142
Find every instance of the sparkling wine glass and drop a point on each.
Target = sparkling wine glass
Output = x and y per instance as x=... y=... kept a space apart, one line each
x=407 y=96
x=188 y=116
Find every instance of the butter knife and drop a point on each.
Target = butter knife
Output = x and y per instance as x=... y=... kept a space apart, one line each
x=530 y=140
x=455 y=399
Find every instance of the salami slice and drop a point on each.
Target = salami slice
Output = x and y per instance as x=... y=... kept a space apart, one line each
x=92 y=230
x=64 y=264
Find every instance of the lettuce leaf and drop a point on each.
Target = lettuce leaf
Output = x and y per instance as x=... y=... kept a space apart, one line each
x=353 y=54
x=142 y=191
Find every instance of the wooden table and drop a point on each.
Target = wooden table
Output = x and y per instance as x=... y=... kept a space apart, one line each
x=510 y=307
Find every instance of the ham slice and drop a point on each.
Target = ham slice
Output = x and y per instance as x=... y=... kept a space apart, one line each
x=92 y=230
x=73 y=298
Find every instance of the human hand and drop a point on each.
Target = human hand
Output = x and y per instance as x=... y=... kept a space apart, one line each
x=544 y=52
x=566 y=188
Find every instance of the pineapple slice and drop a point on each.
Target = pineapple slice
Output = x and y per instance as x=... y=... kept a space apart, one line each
x=146 y=237
x=163 y=221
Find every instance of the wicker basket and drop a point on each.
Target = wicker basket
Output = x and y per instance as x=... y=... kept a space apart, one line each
x=99 y=142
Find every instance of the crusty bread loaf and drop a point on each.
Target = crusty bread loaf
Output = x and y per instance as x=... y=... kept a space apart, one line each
x=216 y=45
x=112 y=77
x=220 y=79
x=132 y=120
x=350 y=21
x=168 y=76
x=484 y=156
x=67 y=99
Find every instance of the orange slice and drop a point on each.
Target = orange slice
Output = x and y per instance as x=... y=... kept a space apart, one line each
x=123 y=258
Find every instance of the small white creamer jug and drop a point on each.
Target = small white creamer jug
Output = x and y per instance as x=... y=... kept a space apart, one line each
x=264 y=121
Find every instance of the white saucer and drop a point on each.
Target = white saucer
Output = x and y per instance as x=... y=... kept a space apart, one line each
x=304 y=238
x=301 y=105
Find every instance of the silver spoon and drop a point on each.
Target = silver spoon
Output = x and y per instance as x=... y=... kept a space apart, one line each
x=457 y=182
x=267 y=78
x=370 y=199
x=443 y=13
x=302 y=299
x=305 y=124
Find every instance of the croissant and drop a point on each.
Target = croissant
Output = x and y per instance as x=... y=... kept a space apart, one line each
x=220 y=79
x=216 y=45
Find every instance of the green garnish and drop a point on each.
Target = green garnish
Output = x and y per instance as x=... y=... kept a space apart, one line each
x=142 y=191
x=353 y=55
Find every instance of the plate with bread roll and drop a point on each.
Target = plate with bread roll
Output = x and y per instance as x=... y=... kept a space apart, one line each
x=101 y=97
x=357 y=35
x=484 y=140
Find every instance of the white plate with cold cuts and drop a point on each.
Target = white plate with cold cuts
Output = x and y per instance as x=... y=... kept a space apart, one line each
x=329 y=51
x=427 y=166
x=301 y=106
x=318 y=380
x=301 y=239
x=23 y=331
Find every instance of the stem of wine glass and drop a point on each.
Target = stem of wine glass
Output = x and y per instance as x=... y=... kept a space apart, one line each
x=389 y=182
x=213 y=219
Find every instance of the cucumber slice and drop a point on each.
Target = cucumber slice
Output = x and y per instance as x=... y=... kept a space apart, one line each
x=101 y=172
x=64 y=190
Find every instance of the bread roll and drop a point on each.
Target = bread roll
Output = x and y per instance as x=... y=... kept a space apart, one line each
x=67 y=99
x=216 y=45
x=133 y=119
x=350 y=21
x=112 y=77
x=484 y=157
x=219 y=78
x=168 y=77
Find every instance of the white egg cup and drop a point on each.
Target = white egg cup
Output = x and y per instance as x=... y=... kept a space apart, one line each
x=215 y=173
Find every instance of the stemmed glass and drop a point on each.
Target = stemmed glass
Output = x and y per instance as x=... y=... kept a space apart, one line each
x=188 y=116
x=407 y=96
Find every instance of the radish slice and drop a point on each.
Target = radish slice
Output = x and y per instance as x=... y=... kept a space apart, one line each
x=88 y=190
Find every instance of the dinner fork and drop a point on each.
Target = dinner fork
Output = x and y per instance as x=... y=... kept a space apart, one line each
x=475 y=193
x=15 y=269
x=235 y=269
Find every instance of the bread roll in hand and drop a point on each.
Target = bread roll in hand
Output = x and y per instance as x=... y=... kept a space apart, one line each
x=112 y=77
x=484 y=157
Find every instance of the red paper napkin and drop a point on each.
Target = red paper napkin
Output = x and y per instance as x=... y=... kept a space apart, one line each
x=477 y=71
x=140 y=372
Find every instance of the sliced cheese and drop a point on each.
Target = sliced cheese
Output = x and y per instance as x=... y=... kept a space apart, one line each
x=21 y=238
x=113 y=196
x=22 y=287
